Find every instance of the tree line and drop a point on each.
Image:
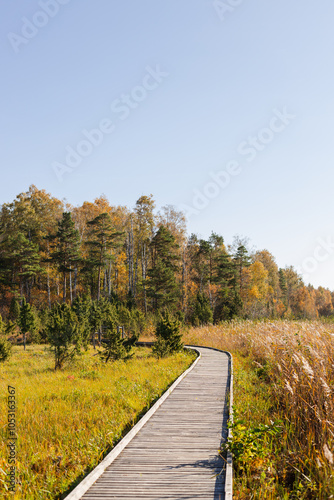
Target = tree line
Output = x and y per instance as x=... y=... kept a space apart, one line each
x=140 y=260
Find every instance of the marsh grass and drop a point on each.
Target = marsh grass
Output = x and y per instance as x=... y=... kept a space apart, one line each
x=284 y=379
x=68 y=420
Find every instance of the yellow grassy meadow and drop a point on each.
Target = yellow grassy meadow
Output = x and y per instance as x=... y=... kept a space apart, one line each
x=67 y=420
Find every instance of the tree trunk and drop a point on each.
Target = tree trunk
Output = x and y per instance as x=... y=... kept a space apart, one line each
x=99 y=284
x=48 y=278
x=48 y=286
x=210 y=297
x=184 y=278
x=64 y=287
x=71 y=294
x=109 y=277
x=28 y=291
x=75 y=280
x=105 y=280
x=135 y=277
x=116 y=280
x=143 y=264
x=130 y=257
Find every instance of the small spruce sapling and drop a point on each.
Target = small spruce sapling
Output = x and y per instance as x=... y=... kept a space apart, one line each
x=5 y=350
x=114 y=346
x=169 y=338
x=27 y=320
x=66 y=334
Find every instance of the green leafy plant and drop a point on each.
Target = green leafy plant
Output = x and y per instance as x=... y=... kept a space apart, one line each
x=250 y=444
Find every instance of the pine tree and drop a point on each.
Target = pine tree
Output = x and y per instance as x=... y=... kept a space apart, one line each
x=5 y=350
x=202 y=264
x=27 y=320
x=101 y=240
x=169 y=338
x=229 y=303
x=162 y=286
x=20 y=261
x=82 y=306
x=67 y=255
x=202 y=314
x=66 y=335
x=14 y=309
x=29 y=260
x=241 y=260
x=115 y=345
x=96 y=317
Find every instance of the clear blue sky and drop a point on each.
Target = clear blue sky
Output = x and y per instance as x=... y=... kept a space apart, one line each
x=202 y=84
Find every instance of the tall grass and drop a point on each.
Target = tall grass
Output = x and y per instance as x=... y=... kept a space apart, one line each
x=68 y=420
x=293 y=364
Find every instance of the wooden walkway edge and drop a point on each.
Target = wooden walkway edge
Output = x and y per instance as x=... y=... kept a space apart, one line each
x=172 y=452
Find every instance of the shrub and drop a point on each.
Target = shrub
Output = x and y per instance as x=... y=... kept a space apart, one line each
x=169 y=338
x=114 y=346
x=65 y=334
x=5 y=350
x=27 y=321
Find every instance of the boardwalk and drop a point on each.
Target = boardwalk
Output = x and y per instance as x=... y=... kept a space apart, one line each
x=174 y=456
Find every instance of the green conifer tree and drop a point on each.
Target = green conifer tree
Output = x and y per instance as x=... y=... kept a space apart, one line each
x=14 y=309
x=241 y=260
x=229 y=303
x=101 y=239
x=169 y=338
x=5 y=350
x=20 y=262
x=162 y=286
x=66 y=334
x=115 y=345
x=67 y=255
x=27 y=320
x=202 y=314
x=283 y=285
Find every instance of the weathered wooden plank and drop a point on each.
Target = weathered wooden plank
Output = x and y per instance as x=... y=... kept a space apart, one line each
x=175 y=454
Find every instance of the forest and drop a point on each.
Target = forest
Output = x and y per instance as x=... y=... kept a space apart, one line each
x=142 y=260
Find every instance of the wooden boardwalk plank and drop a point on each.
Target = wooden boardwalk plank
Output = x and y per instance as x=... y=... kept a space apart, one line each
x=175 y=455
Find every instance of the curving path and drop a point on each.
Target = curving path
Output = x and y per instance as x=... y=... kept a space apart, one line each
x=175 y=454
